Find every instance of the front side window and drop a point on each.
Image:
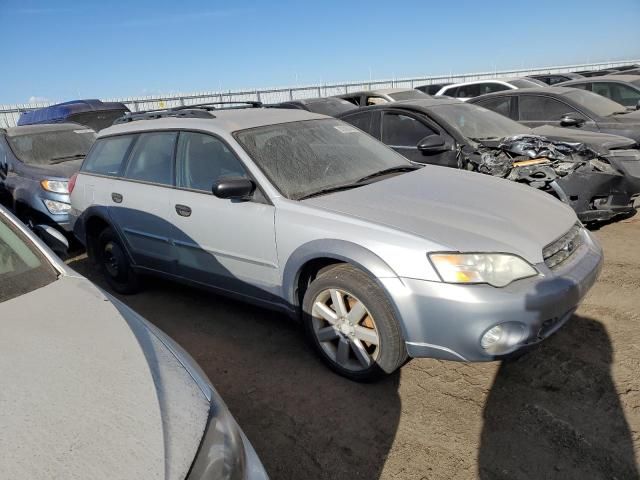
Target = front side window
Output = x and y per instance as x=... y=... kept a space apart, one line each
x=107 y=155
x=305 y=157
x=22 y=268
x=501 y=105
x=400 y=130
x=362 y=120
x=203 y=159
x=538 y=108
x=53 y=146
x=151 y=159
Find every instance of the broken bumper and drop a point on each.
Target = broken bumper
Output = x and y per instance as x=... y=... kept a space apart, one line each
x=448 y=321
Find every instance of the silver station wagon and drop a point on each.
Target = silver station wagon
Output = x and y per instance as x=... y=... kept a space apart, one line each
x=380 y=260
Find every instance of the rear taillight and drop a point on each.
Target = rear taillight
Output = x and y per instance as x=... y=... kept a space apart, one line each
x=72 y=183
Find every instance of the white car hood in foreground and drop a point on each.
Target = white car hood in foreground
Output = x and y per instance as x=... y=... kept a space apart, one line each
x=459 y=210
x=81 y=399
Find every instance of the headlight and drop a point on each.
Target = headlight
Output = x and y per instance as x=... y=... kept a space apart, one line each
x=55 y=186
x=56 y=207
x=221 y=455
x=497 y=269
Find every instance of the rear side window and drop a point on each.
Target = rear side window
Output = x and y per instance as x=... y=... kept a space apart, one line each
x=536 y=108
x=107 y=155
x=501 y=105
x=492 y=87
x=467 y=91
x=403 y=131
x=151 y=159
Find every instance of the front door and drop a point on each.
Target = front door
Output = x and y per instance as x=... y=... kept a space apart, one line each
x=227 y=244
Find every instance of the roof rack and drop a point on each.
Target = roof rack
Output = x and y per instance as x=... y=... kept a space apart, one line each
x=198 y=110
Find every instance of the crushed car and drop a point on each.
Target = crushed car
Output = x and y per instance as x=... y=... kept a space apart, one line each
x=598 y=175
x=574 y=172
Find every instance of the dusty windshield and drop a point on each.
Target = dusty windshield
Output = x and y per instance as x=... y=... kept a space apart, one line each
x=53 y=146
x=22 y=268
x=301 y=158
x=476 y=122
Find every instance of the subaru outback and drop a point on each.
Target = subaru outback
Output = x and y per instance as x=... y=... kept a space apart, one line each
x=381 y=260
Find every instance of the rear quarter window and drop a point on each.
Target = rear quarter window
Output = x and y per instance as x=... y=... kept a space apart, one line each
x=107 y=155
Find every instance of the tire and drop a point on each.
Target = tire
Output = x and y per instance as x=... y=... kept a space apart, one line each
x=344 y=314
x=115 y=265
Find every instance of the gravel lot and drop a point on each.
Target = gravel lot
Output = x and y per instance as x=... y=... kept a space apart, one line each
x=570 y=409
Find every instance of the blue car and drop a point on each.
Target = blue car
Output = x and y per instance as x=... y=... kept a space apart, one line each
x=36 y=164
x=92 y=113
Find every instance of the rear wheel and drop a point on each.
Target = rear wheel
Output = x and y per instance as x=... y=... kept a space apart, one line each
x=115 y=265
x=351 y=324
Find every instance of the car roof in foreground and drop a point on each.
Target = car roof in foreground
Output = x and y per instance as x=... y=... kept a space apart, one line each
x=230 y=120
x=43 y=127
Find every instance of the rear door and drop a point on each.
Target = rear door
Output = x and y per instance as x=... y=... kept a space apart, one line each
x=139 y=201
x=227 y=244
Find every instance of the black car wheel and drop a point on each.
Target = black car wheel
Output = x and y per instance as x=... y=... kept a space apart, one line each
x=115 y=264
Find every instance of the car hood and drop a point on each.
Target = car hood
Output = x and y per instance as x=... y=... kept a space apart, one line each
x=86 y=393
x=631 y=117
x=601 y=142
x=459 y=211
x=60 y=170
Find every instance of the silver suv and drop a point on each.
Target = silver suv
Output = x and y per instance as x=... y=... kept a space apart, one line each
x=380 y=259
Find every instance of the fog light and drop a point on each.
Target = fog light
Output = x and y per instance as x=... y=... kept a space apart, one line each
x=504 y=338
x=492 y=337
x=56 y=207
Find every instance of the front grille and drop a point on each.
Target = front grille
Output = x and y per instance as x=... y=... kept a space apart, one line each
x=559 y=251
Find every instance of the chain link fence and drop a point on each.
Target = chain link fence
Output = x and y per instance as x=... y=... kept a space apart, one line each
x=9 y=114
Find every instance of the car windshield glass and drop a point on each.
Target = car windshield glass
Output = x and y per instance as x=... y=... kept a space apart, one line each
x=527 y=83
x=597 y=104
x=408 y=95
x=302 y=158
x=48 y=147
x=22 y=267
x=477 y=122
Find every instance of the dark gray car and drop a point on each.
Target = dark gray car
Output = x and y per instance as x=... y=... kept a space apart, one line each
x=36 y=163
x=90 y=389
x=596 y=174
x=564 y=107
x=622 y=89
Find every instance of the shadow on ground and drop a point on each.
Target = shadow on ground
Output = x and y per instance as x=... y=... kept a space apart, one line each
x=555 y=413
x=303 y=420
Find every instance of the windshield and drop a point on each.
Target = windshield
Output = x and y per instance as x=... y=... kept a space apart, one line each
x=408 y=95
x=476 y=122
x=599 y=105
x=301 y=158
x=22 y=268
x=49 y=147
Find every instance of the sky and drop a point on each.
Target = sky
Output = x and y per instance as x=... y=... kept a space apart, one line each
x=61 y=50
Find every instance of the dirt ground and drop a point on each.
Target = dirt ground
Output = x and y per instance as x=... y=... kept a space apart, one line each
x=568 y=410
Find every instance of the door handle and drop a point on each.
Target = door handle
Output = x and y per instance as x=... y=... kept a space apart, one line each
x=116 y=197
x=183 y=210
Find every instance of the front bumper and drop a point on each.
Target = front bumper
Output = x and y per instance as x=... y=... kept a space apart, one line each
x=447 y=321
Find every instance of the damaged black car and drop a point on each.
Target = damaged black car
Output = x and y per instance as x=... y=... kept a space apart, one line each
x=598 y=175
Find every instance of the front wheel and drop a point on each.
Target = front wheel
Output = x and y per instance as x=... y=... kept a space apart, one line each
x=114 y=264
x=351 y=324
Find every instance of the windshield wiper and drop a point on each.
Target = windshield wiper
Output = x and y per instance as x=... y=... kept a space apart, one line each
x=386 y=171
x=337 y=188
x=66 y=158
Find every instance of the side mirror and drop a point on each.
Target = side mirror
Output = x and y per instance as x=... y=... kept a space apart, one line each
x=570 y=120
x=432 y=144
x=234 y=188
